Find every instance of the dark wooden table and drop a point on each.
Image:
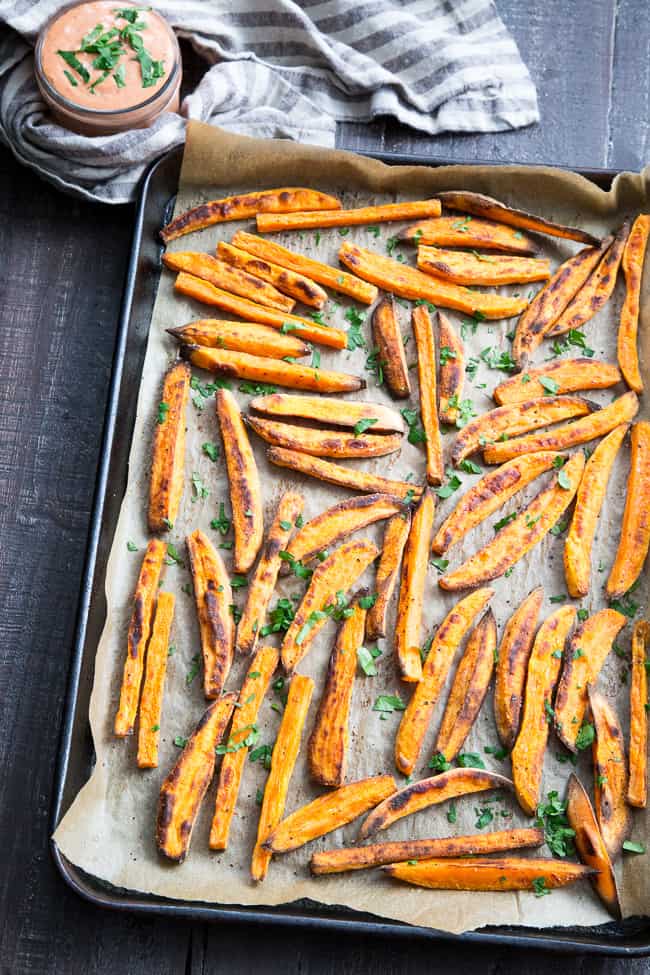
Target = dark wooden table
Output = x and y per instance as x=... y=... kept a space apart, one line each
x=62 y=266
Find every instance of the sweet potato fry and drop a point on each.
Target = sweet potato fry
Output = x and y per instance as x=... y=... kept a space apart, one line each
x=452 y=370
x=610 y=774
x=329 y=740
x=633 y=259
x=331 y=277
x=387 y=212
x=387 y=339
x=491 y=873
x=262 y=583
x=336 y=574
x=329 y=411
x=236 y=747
x=283 y=759
x=589 y=501
x=504 y=422
x=429 y=792
x=355 y=480
x=200 y=290
x=296 y=285
x=336 y=523
x=562 y=376
x=637 y=790
x=544 y=663
x=446 y=640
x=459 y=267
x=519 y=536
x=485 y=206
x=240 y=337
x=469 y=687
x=324 y=443
x=329 y=812
x=588 y=651
x=227 y=278
x=182 y=792
x=599 y=423
x=512 y=666
x=388 y=567
x=635 y=529
x=378 y=854
x=154 y=682
x=282 y=200
x=168 y=462
x=139 y=629
x=213 y=595
x=244 y=480
x=407 y=282
x=426 y=350
x=488 y=495
x=466 y=231
x=411 y=593
x=590 y=845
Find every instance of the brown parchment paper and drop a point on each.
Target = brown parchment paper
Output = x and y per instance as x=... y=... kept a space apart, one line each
x=109 y=829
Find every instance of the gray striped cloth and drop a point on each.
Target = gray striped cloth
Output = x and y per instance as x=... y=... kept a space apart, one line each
x=282 y=70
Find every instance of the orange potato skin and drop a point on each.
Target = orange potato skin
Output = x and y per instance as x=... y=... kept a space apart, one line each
x=451 y=375
x=635 y=529
x=296 y=285
x=244 y=481
x=468 y=232
x=248 y=337
x=409 y=210
x=168 y=462
x=458 y=267
x=507 y=873
x=154 y=682
x=355 y=480
x=323 y=443
x=590 y=846
x=423 y=332
x=637 y=790
x=388 y=568
x=228 y=278
x=610 y=774
x=512 y=666
x=328 y=411
x=336 y=523
x=411 y=593
x=571 y=375
x=387 y=338
x=213 y=596
x=633 y=259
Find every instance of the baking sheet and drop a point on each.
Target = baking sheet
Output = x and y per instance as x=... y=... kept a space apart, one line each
x=109 y=829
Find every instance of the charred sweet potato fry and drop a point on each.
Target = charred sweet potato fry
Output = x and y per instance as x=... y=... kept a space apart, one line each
x=329 y=740
x=240 y=337
x=488 y=495
x=561 y=376
x=262 y=583
x=213 y=595
x=388 y=568
x=355 y=480
x=324 y=443
x=336 y=574
x=429 y=792
x=323 y=409
x=512 y=666
x=227 y=278
x=590 y=845
x=599 y=423
x=236 y=747
x=242 y=207
x=635 y=529
x=587 y=653
x=633 y=259
x=136 y=642
x=491 y=873
x=504 y=422
x=426 y=350
x=329 y=812
x=485 y=206
x=387 y=212
x=610 y=774
x=182 y=792
x=469 y=687
x=154 y=682
x=518 y=537
x=331 y=277
x=168 y=462
x=466 y=231
x=411 y=593
x=377 y=854
x=474 y=268
x=447 y=638
x=451 y=375
x=250 y=311
x=407 y=282
x=283 y=760
x=589 y=501
x=244 y=480
x=336 y=523
x=296 y=285
x=544 y=664
x=637 y=790
x=387 y=339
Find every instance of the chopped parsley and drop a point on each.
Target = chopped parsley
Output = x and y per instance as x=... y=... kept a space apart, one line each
x=551 y=816
x=470 y=760
x=366 y=657
x=362 y=425
x=163 y=410
x=387 y=703
x=416 y=433
x=222 y=523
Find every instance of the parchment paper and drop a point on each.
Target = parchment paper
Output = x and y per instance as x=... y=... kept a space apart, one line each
x=109 y=829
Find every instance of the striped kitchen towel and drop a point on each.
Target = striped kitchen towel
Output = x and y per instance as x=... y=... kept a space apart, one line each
x=282 y=69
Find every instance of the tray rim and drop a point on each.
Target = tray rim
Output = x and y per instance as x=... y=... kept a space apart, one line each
x=587 y=941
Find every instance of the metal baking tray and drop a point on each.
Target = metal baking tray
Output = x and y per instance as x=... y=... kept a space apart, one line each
x=76 y=755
